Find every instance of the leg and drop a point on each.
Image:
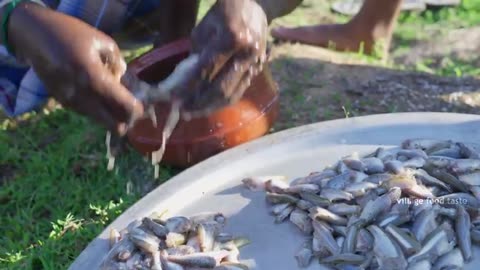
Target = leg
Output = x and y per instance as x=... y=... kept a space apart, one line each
x=375 y=21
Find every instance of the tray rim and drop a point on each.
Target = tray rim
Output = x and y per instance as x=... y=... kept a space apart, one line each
x=183 y=179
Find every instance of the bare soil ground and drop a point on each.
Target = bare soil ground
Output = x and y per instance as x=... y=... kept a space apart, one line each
x=318 y=84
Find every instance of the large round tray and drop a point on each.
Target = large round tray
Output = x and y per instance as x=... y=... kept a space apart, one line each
x=214 y=185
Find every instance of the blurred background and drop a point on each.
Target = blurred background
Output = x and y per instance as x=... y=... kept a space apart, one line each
x=56 y=194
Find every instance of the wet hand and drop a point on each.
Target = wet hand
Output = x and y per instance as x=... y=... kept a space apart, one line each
x=80 y=66
x=231 y=44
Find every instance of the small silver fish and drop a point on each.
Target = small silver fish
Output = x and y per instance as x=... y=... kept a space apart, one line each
x=314 y=199
x=278 y=208
x=387 y=253
x=373 y=208
x=134 y=261
x=461 y=166
x=114 y=237
x=206 y=234
x=340 y=181
x=369 y=196
x=304 y=255
x=475 y=191
x=157 y=229
x=325 y=237
x=435 y=246
x=364 y=242
x=200 y=260
x=424 y=224
x=301 y=220
x=452 y=152
x=194 y=243
x=284 y=214
x=451 y=260
x=257 y=183
x=379 y=178
x=231 y=266
x=351 y=239
x=276 y=186
x=393 y=219
x=304 y=205
x=408 y=244
x=340 y=230
x=447 y=178
x=462 y=227
x=475 y=234
x=373 y=165
x=335 y=195
x=344 y=258
x=319 y=179
x=423 y=176
x=384 y=154
x=416 y=162
x=412 y=153
x=394 y=166
x=449 y=212
x=420 y=265
x=440 y=162
x=179 y=224
x=209 y=217
x=180 y=250
x=319 y=249
x=341 y=167
x=302 y=188
x=275 y=198
x=175 y=239
x=447 y=226
x=465 y=199
x=354 y=164
x=325 y=215
x=344 y=209
x=469 y=151
x=359 y=189
x=426 y=144
x=147 y=242
x=471 y=179
x=407 y=183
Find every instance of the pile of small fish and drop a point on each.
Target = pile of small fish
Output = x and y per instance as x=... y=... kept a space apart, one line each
x=416 y=207
x=176 y=243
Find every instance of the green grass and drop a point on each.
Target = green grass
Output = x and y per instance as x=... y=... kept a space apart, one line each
x=57 y=195
x=61 y=196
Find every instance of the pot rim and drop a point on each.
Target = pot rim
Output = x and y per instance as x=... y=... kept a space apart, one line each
x=159 y=54
x=181 y=46
x=173 y=140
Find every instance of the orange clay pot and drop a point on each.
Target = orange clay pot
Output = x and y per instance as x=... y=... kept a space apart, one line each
x=198 y=139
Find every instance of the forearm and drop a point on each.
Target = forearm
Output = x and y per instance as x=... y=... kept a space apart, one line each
x=16 y=24
x=278 y=8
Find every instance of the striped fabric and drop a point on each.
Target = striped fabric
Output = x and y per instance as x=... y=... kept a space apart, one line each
x=20 y=89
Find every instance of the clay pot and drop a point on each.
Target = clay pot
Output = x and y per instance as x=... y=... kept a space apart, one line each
x=198 y=139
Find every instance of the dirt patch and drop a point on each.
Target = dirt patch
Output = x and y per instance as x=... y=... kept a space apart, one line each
x=457 y=44
x=317 y=85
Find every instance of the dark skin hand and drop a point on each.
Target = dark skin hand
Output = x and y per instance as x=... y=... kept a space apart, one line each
x=231 y=43
x=80 y=66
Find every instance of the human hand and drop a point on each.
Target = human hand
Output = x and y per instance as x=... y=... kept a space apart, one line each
x=80 y=66
x=231 y=44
